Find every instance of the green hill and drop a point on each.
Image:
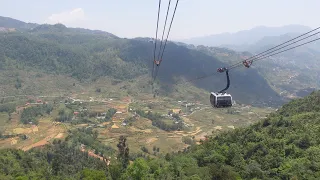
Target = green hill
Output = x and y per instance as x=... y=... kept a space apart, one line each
x=87 y=55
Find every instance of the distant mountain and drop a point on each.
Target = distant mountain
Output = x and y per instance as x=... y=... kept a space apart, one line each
x=13 y=23
x=270 y=41
x=245 y=37
x=6 y=22
x=46 y=28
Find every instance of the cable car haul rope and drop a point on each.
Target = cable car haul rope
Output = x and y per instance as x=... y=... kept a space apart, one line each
x=221 y=98
x=158 y=61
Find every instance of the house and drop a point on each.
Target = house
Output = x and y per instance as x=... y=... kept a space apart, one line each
x=177 y=111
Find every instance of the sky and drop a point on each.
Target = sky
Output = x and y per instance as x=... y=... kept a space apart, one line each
x=137 y=18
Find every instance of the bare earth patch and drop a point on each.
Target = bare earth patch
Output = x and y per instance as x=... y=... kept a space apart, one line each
x=20 y=130
x=134 y=129
x=60 y=135
x=14 y=141
x=39 y=143
x=114 y=126
x=151 y=140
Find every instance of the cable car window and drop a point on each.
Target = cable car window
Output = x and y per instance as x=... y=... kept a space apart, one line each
x=226 y=98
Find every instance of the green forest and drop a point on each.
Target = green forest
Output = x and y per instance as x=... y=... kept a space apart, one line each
x=285 y=145
x=29 y=115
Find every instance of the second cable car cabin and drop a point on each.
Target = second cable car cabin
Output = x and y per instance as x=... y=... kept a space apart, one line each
x=221 y=98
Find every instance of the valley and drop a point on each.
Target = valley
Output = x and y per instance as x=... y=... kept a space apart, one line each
x=199 y=120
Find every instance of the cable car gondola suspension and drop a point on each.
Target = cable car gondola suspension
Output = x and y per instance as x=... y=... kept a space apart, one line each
x=221 y=98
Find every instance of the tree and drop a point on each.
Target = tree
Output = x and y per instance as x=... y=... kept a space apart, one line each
x=144 y=149
x=223 y=173
x=138 y=170
x=95 y=134
x=24 y=137
x=115 y=170
x=18 y=83
x=123 y=155
x=168 y=157
x=110 y=114
x=91 y=174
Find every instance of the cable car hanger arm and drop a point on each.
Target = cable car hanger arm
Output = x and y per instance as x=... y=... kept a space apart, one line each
x=228 y=79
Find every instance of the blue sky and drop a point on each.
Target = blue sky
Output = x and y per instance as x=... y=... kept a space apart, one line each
x=132 y=18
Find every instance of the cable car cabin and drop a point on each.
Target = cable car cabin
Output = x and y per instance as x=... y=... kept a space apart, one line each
x=220 y=100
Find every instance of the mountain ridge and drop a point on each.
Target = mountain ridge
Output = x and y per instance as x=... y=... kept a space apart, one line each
x=245 y=37
x=23 y=26
x=14 y=23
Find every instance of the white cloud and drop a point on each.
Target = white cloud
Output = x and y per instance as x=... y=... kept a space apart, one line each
x=72 y=17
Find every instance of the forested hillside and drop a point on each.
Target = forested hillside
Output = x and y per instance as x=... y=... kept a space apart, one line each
x=90 y=55
x=285 y=145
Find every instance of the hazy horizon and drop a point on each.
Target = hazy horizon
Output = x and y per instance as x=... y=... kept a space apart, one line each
x=130 y=19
